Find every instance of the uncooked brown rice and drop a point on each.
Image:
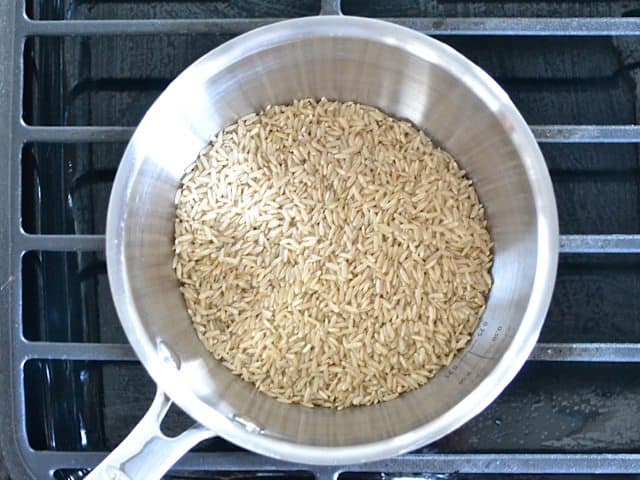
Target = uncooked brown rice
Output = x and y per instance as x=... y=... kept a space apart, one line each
x=330 y=254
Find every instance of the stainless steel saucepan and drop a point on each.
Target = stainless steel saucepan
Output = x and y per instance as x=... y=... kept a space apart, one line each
x=406 y=74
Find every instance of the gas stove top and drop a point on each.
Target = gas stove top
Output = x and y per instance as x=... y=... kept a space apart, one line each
x=77 y=75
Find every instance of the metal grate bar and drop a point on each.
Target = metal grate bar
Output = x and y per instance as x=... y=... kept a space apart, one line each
x=543 y=133
x=105 y=352
x=76 y=134
x=523 y=26
x=587 y=352
x=440 y=26
x=113 y=352
x=586 y=133
x=330 y=7
x=600 y=243
x=489 y=463
x=229 y=26
x=60 y=243
x=569 y=244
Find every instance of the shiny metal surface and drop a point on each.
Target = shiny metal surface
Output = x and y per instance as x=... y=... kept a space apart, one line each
x=450 y=26
x=147 y=452
x=407 y=75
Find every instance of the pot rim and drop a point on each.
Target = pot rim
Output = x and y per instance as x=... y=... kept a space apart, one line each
x=527 y=334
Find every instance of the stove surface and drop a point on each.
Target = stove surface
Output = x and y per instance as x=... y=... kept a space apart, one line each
x=79 y=74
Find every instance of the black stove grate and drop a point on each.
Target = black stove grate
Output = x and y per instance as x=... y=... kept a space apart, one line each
x=77 y=75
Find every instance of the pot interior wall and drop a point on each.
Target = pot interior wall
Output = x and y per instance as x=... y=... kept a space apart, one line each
x=457 y=111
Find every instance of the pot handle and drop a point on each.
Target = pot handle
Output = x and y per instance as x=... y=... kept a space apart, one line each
x=146 y=452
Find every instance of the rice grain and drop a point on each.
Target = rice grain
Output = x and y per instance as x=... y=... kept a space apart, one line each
x=330 y=254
